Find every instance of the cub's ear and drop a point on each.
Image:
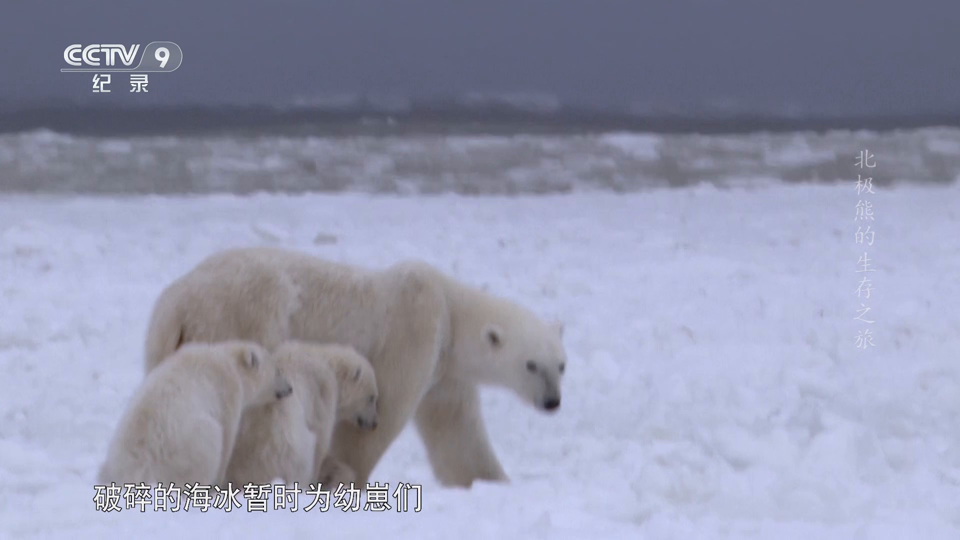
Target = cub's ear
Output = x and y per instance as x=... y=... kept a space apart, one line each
x=493 y=334
x=356 y=374
x=251 y=359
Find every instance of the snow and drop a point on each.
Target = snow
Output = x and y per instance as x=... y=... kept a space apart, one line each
x=713 y=390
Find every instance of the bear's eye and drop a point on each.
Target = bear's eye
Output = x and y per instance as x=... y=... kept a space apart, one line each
x=372 y=398
x=562 y=367
x=531 y=366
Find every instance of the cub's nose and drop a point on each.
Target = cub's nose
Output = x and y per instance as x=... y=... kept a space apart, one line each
x=284 y=392
x=551 y=404
x=363 y=423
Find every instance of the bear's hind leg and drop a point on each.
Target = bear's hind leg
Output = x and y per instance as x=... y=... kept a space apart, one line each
x=450 y=422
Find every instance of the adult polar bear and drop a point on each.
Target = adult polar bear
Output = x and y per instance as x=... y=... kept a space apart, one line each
x=431 y=340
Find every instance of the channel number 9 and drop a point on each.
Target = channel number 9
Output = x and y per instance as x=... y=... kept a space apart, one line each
x=162 y=55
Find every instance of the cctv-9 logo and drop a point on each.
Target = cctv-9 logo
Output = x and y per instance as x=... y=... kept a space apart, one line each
x=158 y=56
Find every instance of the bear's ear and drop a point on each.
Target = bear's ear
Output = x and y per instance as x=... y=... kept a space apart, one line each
x=356 y=374
x=494 y=335
x=557 y=327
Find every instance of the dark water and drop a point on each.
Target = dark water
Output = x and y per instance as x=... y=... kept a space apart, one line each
x=488 y=151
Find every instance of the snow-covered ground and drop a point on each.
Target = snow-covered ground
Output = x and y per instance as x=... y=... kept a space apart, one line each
x=714 y=387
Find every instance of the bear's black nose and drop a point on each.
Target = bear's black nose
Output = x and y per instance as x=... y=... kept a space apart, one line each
x=551 y=404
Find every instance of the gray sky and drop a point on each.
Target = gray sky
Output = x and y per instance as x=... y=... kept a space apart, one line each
x=837 y=56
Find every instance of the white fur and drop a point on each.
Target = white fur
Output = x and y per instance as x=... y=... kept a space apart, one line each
x=290 y=439
x=181 y=424
x=431 y=340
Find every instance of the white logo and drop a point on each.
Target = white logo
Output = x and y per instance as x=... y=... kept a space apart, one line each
x=77 y=55
x=156 y=56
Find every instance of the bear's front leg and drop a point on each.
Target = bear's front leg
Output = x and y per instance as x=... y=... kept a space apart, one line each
x=401 y=377
x=450 y=422
x=361 y=449
x=334 y=472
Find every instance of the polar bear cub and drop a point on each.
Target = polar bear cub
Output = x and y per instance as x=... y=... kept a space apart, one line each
x=290 y=439
x=181 y=424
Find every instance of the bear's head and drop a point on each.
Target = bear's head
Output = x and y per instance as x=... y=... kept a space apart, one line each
x=357 y=396
x=264 y=380
x=526 y=355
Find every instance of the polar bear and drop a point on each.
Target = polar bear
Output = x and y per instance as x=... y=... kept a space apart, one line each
x=289 y=439
x=432 y=341
x=181 y=424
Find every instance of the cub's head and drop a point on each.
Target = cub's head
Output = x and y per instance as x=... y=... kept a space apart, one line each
x=357 y=396
x=265 y=382
x=528 y=357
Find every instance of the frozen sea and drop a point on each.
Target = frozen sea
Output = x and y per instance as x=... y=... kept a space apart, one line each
x=715 y=387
